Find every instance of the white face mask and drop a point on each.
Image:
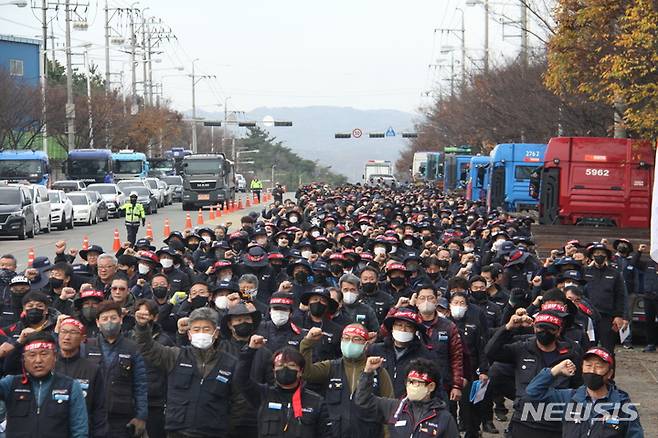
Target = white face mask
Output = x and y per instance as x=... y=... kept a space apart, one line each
x=417 y=393
x=315 y=233
x=306 y=254
x=293 y=219
x=206 y=238
x=202 y=341
x=468 y=249
x=394 y=248
x=279 y=317
x=402 y=337
x=166 y=263
x=408 y=242
x=221 y=302
x=427 y=308
x=457 y=312
x=364 y=227
x=350 y=297
x=380 y=250
x=143 y=269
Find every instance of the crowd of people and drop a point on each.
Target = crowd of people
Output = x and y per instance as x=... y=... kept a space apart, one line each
x=349 y=312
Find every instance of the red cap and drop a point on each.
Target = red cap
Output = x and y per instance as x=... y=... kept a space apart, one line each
x=601 y=353
x=548 y=319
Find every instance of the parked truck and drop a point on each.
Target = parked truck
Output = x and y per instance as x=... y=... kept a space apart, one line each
x=512 y=164
x=208 y=179
x=418 y=166
x=129 y=164
x=89 y=165
x=24 y=165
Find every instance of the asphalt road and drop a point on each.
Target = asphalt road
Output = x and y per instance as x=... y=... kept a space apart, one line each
x=103 y=233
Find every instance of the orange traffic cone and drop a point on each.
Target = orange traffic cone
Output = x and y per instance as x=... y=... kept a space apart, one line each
x=85 y=242
x=219 y=212
x=240 y=204
x=149 y=231
x=116 y=246
x=211 y=214
x=199 y=218
x=167 y=229
x=30 y=257
x=188 y=221
x=231 y=206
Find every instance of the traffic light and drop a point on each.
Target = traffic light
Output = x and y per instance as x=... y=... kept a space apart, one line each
x=409 y=135
x=212 y=123
x=376 y=135
x=340 y=135
x=246 y=124
x=282 y=123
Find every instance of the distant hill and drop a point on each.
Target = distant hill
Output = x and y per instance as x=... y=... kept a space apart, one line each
x=312 y=134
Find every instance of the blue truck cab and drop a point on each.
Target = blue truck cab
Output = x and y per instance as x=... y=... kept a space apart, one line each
x=479 y=177
x=25 y=165
x=512 y=164
x=89 y=165
x=129 y=164
x=456 y=171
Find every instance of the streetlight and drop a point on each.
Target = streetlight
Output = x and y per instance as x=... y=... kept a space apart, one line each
x=18 y=3
x=194 y=82
x=485 y=3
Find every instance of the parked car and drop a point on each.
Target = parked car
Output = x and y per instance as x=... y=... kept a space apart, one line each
x=127 y=183
x=16 y=211
x=102 y=211
x=42 y=207
x=61 y=210
x=240 y=183
x=85 y=210
x=68 y=185
x=113 y=196
x=175 y=183
x=146 y=198
x=157 y=191
x=168 y=192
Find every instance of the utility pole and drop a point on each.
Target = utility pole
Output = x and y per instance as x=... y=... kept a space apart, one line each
x=194 y=139
x=524 y=35
x=486 y=37
x=70 y=106
x=107 y=48
x=44 y=78
x=144 y=61
x=91 y=114
x=463 y=32
x=133 y=66
x=150 y=64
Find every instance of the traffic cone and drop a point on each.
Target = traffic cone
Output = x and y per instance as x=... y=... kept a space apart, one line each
x=188 y=221
x=219 y=212
x=231 y=206
x=199 y=218
x=116 y=246
x=85 y=242
x=167 y=229
x=211 y=214
x=149 y=231
x=30 y=257
x=240 y=204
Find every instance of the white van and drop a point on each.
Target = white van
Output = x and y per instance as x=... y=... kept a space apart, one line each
x=42 y=207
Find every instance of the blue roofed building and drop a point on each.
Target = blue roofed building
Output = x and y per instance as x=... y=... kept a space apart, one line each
x=20 y=57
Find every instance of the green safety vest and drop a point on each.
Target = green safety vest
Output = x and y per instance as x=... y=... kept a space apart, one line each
x=257 y=185
x=134 y=213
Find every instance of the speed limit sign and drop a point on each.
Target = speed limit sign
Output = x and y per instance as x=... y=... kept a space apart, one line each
x=356 y=133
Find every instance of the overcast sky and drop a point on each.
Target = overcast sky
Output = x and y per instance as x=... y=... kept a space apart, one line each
x=360 y=53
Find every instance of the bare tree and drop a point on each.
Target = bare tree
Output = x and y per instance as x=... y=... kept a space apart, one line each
x=20 y=112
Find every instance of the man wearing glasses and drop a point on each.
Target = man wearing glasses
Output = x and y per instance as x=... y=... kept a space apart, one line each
x=338 y=379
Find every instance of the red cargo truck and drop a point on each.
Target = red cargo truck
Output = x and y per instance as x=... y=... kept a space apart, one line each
x=595 y=181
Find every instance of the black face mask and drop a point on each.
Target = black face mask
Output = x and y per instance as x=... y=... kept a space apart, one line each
x=237 y=246
x=285 y=376
x=133 y=201
x=322 y=247
x=546 y=338
x=244 y=329
x=623 y=249
x=454 y=254
x=479 y=295
x=433 y=275
x=301 y=277
x=599 y=259
x=443 y=264
x=34 y=316
x=160 y=292
x=593 y=381
x=219 y=254
x=318 y=309
x=336 y=269
x=193 y=246
x=198 y=302
x=56 y=283
x=369 y=287
x=397 y=281
x=349 y=244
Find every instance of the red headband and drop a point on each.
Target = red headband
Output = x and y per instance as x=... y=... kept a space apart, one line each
x=420 y=376
x=286 y=301
x=39 y=346
x=76 y=323
x=554 y=306
x=356 y=330
x=550 y=319
x=602 y=354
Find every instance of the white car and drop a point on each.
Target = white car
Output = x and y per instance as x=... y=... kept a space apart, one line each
x=157 y=191
x=112 y=195
x=61 y=210
x=85 y=210
x=42 y=208
x=240 y=183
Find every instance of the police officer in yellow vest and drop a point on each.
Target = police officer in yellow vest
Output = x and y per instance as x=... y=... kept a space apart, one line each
x=134 y=214
x=256 y=187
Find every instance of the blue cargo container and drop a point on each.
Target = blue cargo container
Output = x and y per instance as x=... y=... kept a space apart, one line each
x=480 y=177
x=512 y=165
x=129 y=164
x=27 y=165
x=89 y=165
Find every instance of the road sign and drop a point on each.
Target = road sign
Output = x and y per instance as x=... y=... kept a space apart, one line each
x=356 y=133
x=390 y=132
